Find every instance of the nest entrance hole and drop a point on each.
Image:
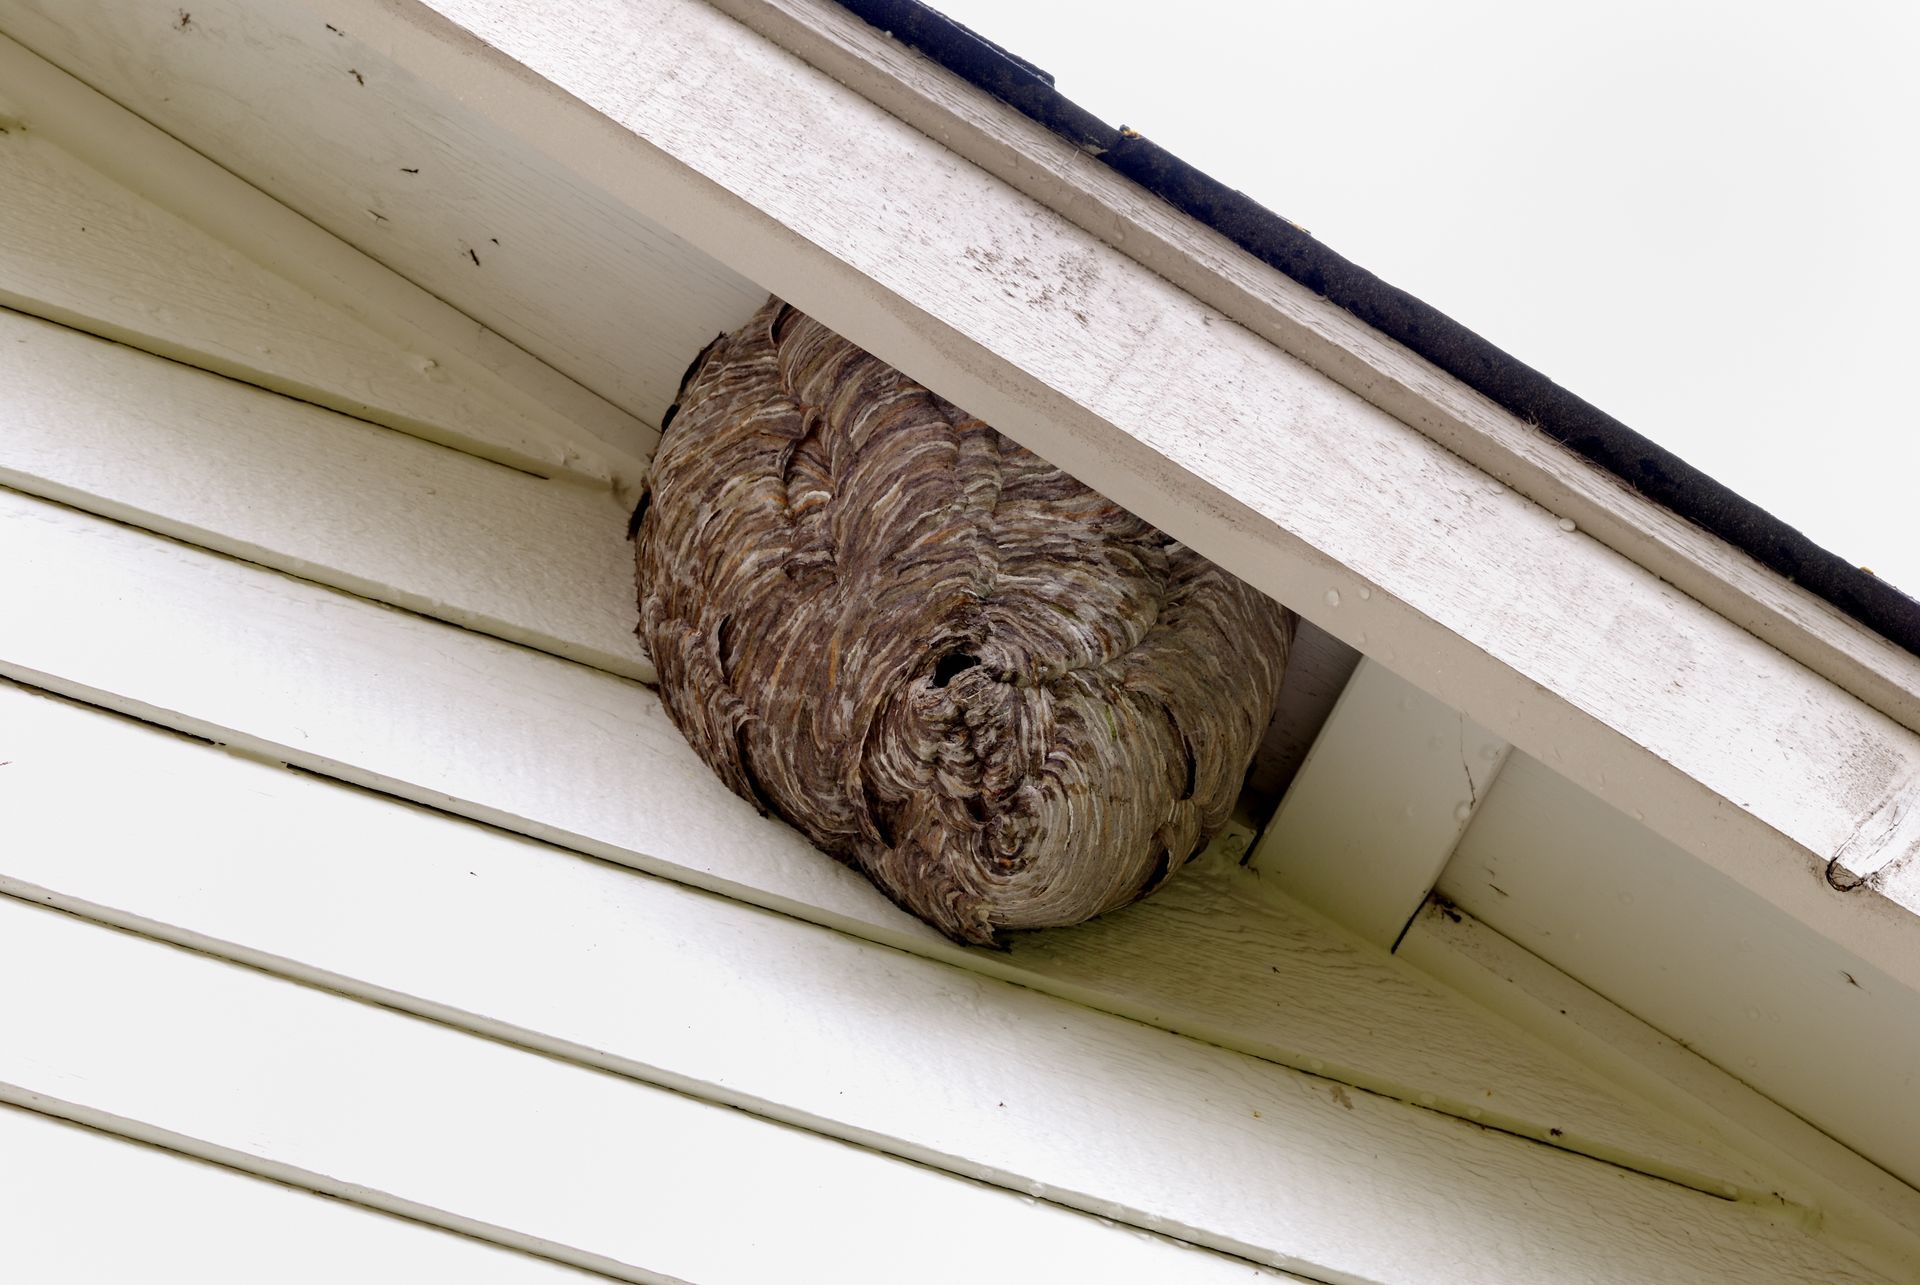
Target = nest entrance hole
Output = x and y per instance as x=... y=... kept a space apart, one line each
x=951 y=666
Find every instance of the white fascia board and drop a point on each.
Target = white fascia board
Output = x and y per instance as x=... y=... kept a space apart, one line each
x=1373 y=530
x=1209 y=266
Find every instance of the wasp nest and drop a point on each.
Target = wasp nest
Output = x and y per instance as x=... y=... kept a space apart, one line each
x=1008 y=701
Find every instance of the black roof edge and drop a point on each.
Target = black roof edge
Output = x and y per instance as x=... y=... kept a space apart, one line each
x=1583 y=428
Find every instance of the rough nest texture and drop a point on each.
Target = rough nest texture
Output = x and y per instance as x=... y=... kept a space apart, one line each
x=1008 y=701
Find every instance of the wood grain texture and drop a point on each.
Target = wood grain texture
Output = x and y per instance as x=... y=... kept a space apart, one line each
x=271 y=253
x=525 y=248
x=316 y=494
x=1478 y=595
x=85 y=1207
x=1205 y=264
x=1859 y=1205
x=1008 y=701
x=295 y=673
x=411 y=1117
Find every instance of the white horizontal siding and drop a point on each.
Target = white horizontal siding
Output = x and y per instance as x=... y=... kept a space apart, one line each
x=577 y=757
x=603 y=966
x=317 y=494
x=85 y=1208
x=730 y=1005
x=408 y=1116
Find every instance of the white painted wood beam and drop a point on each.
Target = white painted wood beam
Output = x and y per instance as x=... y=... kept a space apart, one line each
x=1388 y=788
x=289 y=672
x=1205 y=264
x=535 y=948
x=1542 y=635
x=1866 y=1209
x=410 y=1117
x=84 y=1207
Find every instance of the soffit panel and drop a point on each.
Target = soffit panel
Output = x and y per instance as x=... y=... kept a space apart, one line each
x=323 y=123
x=1580 y=883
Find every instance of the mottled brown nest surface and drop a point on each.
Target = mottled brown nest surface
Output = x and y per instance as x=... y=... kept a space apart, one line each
x=1008 y=701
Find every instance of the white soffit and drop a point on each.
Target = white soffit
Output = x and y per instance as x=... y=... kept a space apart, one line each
x=412 y=178
x=1801 y=1018
x=114 y=228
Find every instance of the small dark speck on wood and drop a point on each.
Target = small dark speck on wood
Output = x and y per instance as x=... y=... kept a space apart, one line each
x=335 y=30
x=184 y=21
x=358 y=79
x=1556 y=1133
x=409 y=169
x=474 y=256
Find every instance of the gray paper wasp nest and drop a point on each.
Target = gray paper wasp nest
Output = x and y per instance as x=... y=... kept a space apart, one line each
x=1008 y=701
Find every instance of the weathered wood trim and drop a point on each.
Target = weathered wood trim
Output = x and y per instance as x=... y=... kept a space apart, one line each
x=1479 y=596
x=1388 y=788
x=294 y=673
x=1205 y=264
x=571 y=429
x=319 y=495
x=528 y=1151
x=85 y=1207
x=1859 y=1205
